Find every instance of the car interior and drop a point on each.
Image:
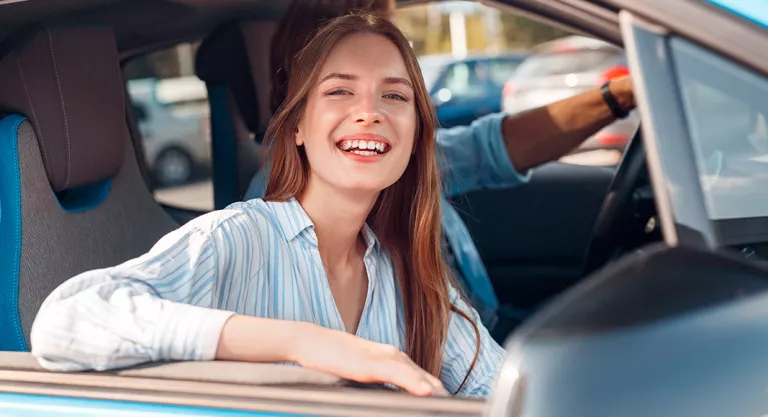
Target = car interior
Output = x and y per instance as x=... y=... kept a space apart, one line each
x=76 y=193
x=83 y=178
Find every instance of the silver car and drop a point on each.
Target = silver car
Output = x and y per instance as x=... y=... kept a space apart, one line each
x=173 y=117
x=563 y=68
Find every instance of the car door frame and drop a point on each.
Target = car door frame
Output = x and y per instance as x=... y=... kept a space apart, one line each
x=682 y=210
x=645 y=29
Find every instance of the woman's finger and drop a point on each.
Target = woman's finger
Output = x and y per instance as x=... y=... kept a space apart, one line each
x=406 y=377
x=437 y=385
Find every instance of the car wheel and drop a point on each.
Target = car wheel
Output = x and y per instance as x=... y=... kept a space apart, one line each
x=173 y=166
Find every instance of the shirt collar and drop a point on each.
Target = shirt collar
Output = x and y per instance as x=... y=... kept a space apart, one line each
x=295 y=222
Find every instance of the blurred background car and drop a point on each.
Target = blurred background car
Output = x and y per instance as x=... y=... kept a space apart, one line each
x=465 y=89
x=563 y=68
x=172 y=115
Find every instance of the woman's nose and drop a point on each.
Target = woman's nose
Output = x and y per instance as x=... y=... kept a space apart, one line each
x=368 y=118
x=367 y=112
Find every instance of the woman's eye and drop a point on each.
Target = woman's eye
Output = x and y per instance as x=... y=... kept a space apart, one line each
x=394 y=96
x=338 y=92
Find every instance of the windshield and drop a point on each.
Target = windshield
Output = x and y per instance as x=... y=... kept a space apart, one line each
x=562 y=63
x=726 y=109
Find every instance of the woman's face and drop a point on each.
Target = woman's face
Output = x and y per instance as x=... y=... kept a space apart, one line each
x=360 y=120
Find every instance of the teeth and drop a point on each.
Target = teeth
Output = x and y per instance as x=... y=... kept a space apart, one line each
x=362 y=147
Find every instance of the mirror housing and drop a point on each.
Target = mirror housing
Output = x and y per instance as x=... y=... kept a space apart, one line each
x=665 y=331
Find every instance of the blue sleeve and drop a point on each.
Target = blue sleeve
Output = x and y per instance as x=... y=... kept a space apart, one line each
x=474 y=157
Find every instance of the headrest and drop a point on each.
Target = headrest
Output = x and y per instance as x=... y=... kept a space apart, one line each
x=223 y=59
x=67 y=82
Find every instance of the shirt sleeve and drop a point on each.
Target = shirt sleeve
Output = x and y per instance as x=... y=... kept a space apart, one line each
x=156 y=307
x=460 y=347
x=474 y=157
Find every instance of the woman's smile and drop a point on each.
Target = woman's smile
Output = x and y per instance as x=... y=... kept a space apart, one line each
x=364 y=147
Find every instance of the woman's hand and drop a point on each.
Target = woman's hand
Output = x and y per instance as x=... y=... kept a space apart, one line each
x=357 y=359
x=338 y=353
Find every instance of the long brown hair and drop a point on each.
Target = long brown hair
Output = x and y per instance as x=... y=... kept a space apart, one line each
x=406 y=215
x=297 y=27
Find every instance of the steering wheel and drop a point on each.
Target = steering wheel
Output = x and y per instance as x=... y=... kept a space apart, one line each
x=617 y=205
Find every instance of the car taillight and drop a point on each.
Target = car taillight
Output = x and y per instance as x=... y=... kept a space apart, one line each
x=612 y=139
x=509 y=89
x=613 y=73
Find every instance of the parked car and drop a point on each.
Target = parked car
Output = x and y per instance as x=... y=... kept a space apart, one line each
x=173 y=117
x=465 y=89
x=566 y=67
x=612 y=326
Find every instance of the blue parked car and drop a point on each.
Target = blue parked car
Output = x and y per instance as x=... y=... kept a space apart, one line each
x=677 y=328
x=465 y=89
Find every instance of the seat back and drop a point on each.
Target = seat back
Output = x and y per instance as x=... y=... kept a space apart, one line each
x=236 y=114
x=72 y=197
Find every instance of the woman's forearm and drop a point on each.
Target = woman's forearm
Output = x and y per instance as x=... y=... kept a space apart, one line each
x=254 y=339
x=549 y=132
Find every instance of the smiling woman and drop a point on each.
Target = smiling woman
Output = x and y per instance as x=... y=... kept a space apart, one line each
x=337 y=269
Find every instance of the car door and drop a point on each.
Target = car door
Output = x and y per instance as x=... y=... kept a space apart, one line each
x=533 y=237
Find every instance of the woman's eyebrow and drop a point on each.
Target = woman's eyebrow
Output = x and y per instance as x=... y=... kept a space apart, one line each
x=399 y=80
x=339 y=75
x=351 y=77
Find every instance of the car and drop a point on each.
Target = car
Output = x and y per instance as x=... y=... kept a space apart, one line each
x=173 y=117
x=641 y=289
x=464 y=89
x=563 y=68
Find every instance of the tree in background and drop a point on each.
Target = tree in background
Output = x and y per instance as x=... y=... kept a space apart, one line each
x=488 y=30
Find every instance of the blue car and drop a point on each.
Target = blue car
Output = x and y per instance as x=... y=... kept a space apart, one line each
x=642 y=290
x=465 y=89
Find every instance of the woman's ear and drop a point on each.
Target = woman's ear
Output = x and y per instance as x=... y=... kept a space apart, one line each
x=299 y=137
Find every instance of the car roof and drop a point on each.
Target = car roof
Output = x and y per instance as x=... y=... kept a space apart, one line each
x=139 y=23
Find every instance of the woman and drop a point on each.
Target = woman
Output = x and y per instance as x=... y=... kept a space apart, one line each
x=338 y=268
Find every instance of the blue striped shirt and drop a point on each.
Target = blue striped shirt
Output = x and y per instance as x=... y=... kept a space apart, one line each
x=254 y=258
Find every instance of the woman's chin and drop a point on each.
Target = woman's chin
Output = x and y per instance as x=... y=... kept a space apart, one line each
x=364 y=187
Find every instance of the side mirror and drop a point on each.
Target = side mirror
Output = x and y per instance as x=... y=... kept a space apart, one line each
x=665 y=331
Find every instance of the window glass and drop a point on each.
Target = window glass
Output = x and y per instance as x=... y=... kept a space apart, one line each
x=725 y=107
x=567 y=63
x=467 y=80
x=170 y=105
x=501 y=70
x=430 y=70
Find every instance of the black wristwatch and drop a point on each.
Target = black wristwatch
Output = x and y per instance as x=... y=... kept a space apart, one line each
x=610 y=100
